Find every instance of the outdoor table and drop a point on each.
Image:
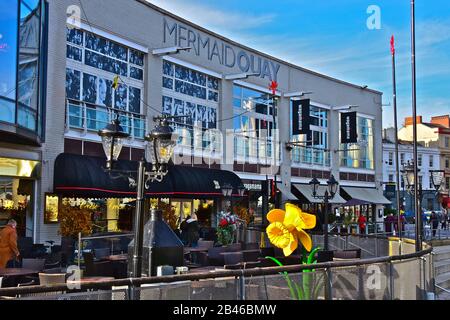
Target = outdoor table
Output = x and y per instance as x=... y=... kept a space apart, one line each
x=10 y=275
x=193 y=252
x=91 y=279
x=17 y=272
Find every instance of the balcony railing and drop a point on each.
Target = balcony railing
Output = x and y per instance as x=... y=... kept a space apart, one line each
x=310 y=156
x=195 y=140
x=256 y=150
x=90 y=117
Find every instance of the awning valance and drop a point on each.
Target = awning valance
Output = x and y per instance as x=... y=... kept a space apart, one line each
x=369 y=195
x=305 y=191
x=83 y=176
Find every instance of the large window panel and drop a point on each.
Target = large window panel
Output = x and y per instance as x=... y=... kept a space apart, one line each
x=28 y=71
x=8 y=59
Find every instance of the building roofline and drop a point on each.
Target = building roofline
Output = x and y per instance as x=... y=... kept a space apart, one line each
x=225 y=39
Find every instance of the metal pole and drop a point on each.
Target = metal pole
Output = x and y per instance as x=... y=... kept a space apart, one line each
x=325 y=224
x=139 y=223
x=417 y=208
x=397 y=165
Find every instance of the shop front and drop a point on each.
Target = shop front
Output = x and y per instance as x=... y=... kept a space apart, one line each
x=316 y=206
x=18 y=178
x=80 y=181
x=367 y=202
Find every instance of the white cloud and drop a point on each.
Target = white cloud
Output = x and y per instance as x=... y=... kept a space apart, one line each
x=214 y=19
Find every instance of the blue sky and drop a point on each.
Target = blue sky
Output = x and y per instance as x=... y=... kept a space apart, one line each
x=331 y=37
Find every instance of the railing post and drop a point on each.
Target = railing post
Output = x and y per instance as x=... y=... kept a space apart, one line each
x=424 y=288
x=241 y=280
x=328 y=285
x=391 y=280
x=84 y=115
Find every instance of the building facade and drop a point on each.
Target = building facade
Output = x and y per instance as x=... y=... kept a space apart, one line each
x=434 y=134
x=428 y=159
x=225 y=121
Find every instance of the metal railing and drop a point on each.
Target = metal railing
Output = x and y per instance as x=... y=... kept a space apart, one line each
x=311 y=156
x=92 y=117
x=256 y=150
x=392 y=276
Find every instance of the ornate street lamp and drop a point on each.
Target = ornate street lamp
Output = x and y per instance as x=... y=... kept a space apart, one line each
x=113 y=137
x=163 y=141
x=330 y=192
x=332 y=186
x=227 y=190
x=241 y=190
x=437 y=177
x=315 y=184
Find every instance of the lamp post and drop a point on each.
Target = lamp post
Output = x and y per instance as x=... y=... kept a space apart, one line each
x=330 y=192
x=227 y=192
x=162 y=141
x=409 y=178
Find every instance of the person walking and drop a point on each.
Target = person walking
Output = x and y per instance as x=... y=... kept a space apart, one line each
x=434 y=222
x=184 y=231
x=193 y=231
x=444 y=220
x=8 y=244
x=362 y=224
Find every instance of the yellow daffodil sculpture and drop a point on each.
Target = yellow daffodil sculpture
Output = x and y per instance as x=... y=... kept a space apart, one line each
x=286 y=228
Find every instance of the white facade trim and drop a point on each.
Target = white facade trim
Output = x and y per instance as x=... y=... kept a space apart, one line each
x=192 y=66
x=358 y=184
x=112 y=37
x=255 y=87
x=356 y=170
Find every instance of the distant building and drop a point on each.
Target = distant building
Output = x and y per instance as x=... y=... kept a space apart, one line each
x=428 y=159
x=435 y=134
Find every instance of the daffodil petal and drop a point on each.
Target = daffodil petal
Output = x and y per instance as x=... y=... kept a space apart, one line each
x=276 y=215
x=278 y=235
x=293 y=244
x=292 y=219
x=305 y=239
x=309 y=220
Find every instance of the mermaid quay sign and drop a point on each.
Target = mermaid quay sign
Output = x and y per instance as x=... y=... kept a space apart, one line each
x=219 y=51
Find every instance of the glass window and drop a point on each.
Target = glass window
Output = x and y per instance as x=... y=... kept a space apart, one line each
x=75 y=36
x=74 y=53
x=431 y=161
x=73 y=84
x=419 y=160
x=360 y=155
x=8 y=58
x=136 y=73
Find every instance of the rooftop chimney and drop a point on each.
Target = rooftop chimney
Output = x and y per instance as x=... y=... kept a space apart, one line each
x=409 y=120
x=442 y=120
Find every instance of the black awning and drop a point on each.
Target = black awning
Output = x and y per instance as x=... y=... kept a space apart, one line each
x=83 y=176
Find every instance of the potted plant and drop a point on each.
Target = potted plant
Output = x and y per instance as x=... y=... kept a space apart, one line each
x=73 y=220
x=226 y=229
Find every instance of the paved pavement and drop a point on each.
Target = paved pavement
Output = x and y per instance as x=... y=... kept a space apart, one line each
x=410 y=232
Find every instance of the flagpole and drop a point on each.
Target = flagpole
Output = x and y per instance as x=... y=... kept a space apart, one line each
x=417 y=208
x=397 y=164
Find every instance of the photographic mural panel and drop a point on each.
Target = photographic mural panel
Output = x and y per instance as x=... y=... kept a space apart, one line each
x=73 y=84
x=89 y=88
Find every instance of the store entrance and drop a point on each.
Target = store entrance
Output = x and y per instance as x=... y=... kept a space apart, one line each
x=15 y=196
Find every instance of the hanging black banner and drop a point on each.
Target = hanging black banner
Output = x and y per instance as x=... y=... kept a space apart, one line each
x=301 y=125
x=349 y=127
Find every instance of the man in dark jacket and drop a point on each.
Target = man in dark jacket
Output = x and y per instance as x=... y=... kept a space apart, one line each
x=434 y=222
x=193 y=231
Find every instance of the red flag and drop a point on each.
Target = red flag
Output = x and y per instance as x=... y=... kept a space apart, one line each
x=392 y=45
x=273 y=86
